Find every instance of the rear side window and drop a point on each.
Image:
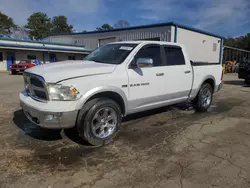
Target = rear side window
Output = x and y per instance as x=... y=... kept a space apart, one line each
x=174 y=56
x=152 y=52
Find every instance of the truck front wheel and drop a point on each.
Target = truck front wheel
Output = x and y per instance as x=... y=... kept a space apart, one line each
x=99 y=121
x=204 y=98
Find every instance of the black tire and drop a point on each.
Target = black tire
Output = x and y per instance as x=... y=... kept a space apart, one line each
x=247 y=82
x=85 y=118
x=13 y=72
x=197 y=103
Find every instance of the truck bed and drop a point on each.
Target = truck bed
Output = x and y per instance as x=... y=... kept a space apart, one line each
x=211 y=70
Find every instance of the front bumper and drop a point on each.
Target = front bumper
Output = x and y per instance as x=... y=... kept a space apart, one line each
x=49 y=119
x=18 y=69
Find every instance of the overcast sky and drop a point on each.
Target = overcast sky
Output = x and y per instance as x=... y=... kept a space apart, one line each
x=224 y=17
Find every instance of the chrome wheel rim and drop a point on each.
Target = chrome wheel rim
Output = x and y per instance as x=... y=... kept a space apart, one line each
x=206 y=97
x=104 y=122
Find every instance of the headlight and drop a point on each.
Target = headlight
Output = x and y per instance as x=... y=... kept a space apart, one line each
x=58 y=92
x=24 y=67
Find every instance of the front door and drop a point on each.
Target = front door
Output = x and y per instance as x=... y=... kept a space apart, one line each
x=11 y=59
x=146 y=84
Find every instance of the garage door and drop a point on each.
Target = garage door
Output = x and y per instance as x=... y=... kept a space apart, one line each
x=151 y=39
x=106 y=41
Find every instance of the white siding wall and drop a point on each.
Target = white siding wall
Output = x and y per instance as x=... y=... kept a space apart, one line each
x=22 y=55
x=64 y=56
x=199 y=46
x=68 y=39
x=3 y=63
x=91 y=40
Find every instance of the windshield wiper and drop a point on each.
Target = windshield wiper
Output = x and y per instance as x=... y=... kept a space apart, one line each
x=95 y=61
x=105 y=62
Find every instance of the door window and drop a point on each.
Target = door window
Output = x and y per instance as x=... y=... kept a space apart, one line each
x=174 y=56
x=153 y=52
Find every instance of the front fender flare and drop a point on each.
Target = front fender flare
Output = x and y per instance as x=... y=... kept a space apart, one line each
x=101 y=89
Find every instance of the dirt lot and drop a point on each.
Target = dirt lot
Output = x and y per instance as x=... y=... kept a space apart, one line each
x=169 y=147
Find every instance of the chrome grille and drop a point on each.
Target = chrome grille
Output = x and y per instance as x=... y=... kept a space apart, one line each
x=35 y=87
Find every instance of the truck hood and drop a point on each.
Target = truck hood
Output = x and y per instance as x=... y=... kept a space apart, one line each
x=56 y=72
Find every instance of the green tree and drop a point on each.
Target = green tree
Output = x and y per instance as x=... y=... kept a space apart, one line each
x=121 y=24
x=39 y=25
x=6 y=24
x=242 y=42
x=104 y=27
x=60 y=25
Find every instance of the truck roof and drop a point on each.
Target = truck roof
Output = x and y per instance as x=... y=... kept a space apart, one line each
x=147 y=42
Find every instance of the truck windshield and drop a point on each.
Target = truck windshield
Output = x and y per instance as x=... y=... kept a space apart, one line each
x=111 y=53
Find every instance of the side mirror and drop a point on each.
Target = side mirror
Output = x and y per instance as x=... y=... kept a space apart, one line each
x=144 y=62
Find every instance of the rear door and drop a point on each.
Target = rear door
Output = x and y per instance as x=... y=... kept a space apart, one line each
x=179 y=75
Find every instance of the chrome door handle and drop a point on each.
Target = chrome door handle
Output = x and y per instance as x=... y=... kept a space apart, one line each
x=187 y=72
x=159 y=74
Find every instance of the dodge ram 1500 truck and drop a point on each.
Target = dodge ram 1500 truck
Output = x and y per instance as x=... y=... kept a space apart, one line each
x=113 y=81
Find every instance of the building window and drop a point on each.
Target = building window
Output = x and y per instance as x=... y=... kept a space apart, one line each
x=1 y=56
x=214 y=47
x=31 y=57
x=71 y=57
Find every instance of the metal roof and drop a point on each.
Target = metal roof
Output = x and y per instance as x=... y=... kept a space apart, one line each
x=20 y=44
x=38 y=41
x=146 y=26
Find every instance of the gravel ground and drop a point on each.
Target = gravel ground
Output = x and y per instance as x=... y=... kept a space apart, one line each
x=168 y=147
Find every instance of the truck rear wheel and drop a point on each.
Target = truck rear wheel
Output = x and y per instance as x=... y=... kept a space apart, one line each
x=99 y=121
x=204 y=98
x=247 y=81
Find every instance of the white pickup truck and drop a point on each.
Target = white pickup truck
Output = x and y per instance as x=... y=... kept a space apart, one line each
x=113 y=81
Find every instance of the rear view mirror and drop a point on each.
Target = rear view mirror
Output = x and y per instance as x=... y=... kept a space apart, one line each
x=144 y=62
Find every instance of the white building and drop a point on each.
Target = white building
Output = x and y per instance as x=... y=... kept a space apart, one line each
x=202 y=46
x=15 y=50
